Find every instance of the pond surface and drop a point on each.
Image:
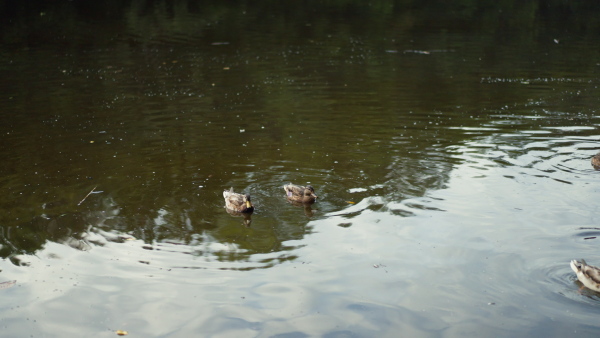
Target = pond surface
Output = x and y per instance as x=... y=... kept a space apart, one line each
x=449 y=146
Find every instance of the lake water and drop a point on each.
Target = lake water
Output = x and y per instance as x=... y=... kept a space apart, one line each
x=449 y=146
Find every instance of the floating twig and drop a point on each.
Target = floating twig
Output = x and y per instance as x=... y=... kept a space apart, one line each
x=5 y=285
x=86 y=196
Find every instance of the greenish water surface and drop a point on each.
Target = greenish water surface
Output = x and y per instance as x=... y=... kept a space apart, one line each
x=449 y=145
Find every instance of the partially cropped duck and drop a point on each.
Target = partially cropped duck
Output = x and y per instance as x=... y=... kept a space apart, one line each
x=296 y=193
x=588 y=275
x=237 y=202
x=596 y=161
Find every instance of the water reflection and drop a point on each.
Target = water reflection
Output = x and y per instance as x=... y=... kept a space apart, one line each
x=57 y=223
x=246 y=216
x=454 y=179
x=307 y=207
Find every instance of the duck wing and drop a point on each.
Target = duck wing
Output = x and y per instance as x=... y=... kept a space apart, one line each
x=591 y=272
x=293 y=190
x=236 y=199
x=232 y=199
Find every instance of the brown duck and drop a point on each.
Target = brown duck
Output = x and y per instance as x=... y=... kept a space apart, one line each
x=296 y=193
x=237 y=202
x=596 y=161
x=588 y=275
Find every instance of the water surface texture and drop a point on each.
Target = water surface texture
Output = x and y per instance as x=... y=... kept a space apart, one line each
x=449 y=145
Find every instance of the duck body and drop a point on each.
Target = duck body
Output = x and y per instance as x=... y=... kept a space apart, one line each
x=596 y=161
x=297 y=193
x=588 y=275
x=237 y=202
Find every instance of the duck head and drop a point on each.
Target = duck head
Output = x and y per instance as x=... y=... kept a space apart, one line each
x=309 y=192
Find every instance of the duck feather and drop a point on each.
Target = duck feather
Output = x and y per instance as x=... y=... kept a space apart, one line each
x=237 y=202
x=297 y=193
x=588 y=275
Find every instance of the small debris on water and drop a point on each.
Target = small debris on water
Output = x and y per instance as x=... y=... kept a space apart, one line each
x=417 y=51
x=6 y=285
x=377 y=266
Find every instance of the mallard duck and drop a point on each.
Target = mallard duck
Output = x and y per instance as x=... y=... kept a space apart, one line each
x=237 y=202
x=588 y=275
x=596 y=161
x=296 y=193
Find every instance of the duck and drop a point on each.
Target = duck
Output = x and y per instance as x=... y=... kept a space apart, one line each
x=238 y=202
x=588 y=275
x=296 y=193
x=596 y=161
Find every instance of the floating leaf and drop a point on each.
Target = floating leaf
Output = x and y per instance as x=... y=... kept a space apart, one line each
x=122 y=333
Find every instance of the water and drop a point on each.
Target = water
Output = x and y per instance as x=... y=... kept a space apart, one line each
x=451 y=160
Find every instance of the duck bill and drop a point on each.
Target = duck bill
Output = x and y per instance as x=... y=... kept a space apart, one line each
x=248 y=204
x=314 y=196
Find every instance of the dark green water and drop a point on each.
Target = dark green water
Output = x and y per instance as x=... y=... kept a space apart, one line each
x=449 y=145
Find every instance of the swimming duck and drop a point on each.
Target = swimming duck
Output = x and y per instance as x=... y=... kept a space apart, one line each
x=588 y=275
x=596 y=161
x=237 y=202
x=296 y=193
